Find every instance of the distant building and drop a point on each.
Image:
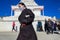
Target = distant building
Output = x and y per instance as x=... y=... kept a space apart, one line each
x=37 y=10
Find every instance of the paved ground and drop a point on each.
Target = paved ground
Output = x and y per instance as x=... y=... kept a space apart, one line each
x=40 y=35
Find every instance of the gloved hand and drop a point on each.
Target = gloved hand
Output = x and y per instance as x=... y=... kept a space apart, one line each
x=23 y=25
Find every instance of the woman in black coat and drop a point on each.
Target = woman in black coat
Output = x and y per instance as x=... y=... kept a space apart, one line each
x=26 y=29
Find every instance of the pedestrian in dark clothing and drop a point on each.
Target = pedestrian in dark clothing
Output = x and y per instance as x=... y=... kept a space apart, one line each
x=50 y=26
x=55 y=25
x=39 y=26
x=58 y=26
x=26 y=29
x=46 y=25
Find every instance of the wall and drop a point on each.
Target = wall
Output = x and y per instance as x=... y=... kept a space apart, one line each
x=7 y=25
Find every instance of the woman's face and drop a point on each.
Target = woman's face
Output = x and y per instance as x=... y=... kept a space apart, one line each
x=21 y=6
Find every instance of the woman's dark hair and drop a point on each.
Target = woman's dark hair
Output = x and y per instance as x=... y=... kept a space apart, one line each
x=22 y=4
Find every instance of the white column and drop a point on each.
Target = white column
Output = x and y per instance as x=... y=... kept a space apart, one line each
x=11 y=11
x=43 y=12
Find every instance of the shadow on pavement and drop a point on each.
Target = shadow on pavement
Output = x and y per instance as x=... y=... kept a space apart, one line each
x=56 y=33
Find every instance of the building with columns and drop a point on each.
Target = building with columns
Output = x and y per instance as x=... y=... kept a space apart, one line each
x=30 y=4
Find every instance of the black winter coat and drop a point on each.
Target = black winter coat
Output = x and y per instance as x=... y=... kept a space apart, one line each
x=26 y=32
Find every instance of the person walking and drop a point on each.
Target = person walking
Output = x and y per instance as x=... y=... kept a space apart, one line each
x=50 y=26
x=13 y=26
x=26 y=28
